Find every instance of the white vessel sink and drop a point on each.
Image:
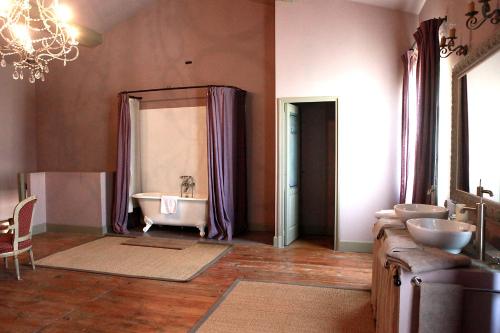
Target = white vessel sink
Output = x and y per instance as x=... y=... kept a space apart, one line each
x=413 y=211
x=448 y=235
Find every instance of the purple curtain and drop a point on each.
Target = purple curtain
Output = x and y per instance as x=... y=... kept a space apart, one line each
x=226 y=162
x=427 y=39
x=406 y=58
x=463 y=164
x=120 y=198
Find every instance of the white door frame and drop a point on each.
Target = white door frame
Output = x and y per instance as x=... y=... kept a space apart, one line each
x=281 y=158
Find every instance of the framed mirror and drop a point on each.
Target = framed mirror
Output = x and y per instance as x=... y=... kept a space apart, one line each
x=475 y=138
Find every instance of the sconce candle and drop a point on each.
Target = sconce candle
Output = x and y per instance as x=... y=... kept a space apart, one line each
x=473 y=22
x=443 y=41
x=472 y=7
x=453 y=32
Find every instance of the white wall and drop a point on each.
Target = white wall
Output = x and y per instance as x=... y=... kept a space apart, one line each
x=352 y=51
x=173 y=143
x=37 y=187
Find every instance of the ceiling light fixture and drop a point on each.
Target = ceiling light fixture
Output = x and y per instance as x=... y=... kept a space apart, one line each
x=33 y=33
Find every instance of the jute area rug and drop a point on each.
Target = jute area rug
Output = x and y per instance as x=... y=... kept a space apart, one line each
x=250 y=306
x=109 y=255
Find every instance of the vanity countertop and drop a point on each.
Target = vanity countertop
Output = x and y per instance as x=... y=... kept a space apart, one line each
x=492 y=264
x=492 y=267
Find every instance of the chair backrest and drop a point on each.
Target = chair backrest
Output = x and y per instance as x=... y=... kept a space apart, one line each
x=23 y=217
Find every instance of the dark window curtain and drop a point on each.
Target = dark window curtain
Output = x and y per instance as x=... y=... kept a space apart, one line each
x=226 y=162
x=405 y=137
x=463 y=164
x=427 y=38
x=120 y=198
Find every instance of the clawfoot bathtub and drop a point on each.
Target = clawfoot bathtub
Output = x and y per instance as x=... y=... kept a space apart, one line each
x=191 y=212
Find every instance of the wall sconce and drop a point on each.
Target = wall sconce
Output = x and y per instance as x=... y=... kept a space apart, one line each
x=488 y=14
x=447 y=45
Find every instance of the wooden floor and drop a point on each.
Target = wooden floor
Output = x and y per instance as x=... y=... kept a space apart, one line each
x=53 y=300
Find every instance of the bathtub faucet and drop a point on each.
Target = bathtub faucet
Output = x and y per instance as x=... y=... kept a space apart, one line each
x=187 y=185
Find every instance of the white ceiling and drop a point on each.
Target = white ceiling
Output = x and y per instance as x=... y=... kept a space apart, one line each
x=409 y=6
x=102 y=15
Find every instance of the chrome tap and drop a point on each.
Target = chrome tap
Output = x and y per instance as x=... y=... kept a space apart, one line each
x=480 y=209
x=480 y=191
x=187 y=184
x=480 y=234
x=432 y=193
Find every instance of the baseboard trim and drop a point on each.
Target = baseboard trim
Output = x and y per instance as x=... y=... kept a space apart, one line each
x=76 y=229
x=38 y=229
x=278 y=241
x=365 y=247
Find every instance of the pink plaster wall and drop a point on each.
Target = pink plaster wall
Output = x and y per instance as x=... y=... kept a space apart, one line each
x=80 y=200
x=352 y=51
x=17 y=137
x=77 y=199
x=229 y=41
x=73 y=198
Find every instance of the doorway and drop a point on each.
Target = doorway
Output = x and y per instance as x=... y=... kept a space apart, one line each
x=306 y=195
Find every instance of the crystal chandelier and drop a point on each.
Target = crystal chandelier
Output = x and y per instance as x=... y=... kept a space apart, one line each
x=33 y=33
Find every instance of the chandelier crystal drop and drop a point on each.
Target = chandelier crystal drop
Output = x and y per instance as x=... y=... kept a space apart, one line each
x=33 y=33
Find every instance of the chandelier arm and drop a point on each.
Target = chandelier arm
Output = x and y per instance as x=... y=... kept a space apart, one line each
x=65 y=58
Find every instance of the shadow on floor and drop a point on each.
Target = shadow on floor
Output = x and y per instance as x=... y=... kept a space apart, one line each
x=259 y=237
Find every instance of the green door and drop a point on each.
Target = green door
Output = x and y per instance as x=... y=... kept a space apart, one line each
x=292 y=173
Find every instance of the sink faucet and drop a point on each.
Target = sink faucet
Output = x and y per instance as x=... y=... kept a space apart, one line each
x=480 y=222
x=432 y=193
x=187 y=184
x=480 y=191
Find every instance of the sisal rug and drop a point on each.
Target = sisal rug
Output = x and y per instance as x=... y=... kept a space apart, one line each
x=250 y=306
x=109 y=256
x=167 y=243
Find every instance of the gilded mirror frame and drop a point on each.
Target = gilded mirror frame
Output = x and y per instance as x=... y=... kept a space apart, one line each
x=480 y=53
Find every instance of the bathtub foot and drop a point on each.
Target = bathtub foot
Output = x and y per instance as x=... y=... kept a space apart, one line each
x=148 y=222
x=202 y=231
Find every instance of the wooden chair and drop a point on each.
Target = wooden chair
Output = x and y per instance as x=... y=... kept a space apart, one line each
x=17 y=239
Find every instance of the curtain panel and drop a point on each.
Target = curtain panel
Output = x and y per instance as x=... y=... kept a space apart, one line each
x=119 y=215
x=425 y=180
x=404 y=130
x=226 y=148
x=135 y=162
x=226 y=162
x=407 y=115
